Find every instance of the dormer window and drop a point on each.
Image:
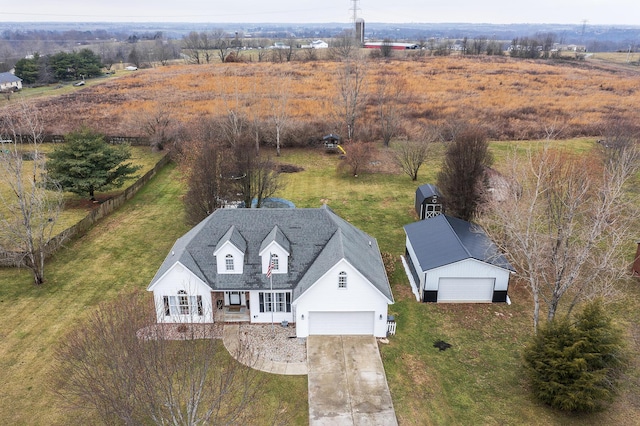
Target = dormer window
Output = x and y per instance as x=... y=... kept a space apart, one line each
x=342 y=280
x=228 y=261
x=275 y=265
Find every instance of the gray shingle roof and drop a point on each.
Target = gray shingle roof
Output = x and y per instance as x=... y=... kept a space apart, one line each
x=234 y=237
x=443 y=239
x=315 y=238
x=7 y=77
x=278 y=236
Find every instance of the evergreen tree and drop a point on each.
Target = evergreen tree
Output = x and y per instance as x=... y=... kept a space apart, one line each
x=86 y=163
x=573 y=366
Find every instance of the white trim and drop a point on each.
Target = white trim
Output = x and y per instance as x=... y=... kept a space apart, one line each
x=329 y=270
x=171 y=268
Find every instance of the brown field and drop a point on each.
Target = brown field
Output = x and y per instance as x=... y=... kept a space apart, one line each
x=513 y=99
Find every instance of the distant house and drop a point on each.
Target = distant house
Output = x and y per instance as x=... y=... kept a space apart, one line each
x=428 y=201
x=319 y=44
x=279 y=45
x=9 y=82
x=452 y=260
x=304 y=266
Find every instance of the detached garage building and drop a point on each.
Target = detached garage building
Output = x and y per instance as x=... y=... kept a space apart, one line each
x=452 y=260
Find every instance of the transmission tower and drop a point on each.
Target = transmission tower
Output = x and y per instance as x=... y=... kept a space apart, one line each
x=355 y=10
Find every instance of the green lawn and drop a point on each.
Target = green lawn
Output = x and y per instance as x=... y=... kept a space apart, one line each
x=76 y=206
x=477 y=381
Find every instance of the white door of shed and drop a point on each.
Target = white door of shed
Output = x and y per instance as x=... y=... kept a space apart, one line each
x=458 y=290
x=341 y=323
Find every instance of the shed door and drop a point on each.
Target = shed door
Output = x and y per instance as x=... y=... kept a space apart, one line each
x=465 y=289
x=341 y=323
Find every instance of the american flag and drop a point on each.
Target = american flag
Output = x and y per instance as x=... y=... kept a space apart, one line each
x=270 y=268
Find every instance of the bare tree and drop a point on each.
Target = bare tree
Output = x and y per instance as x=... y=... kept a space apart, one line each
x=390 y=99
x=344 y=46
x=563 y=221
x=256 y=178
x=127 y=369
x=191 y=47
x=462 y=178
x=279 y=106
x=207 y=163
x=157 y=126
x=359 y=155
x=265 y=180
x=410 y=155
x=33 y=204
x=351 y=96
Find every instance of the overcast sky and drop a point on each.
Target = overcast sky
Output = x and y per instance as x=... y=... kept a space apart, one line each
x=596 y=12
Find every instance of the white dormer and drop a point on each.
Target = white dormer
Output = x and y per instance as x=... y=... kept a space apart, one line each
x=229 y=252
x=276 y=246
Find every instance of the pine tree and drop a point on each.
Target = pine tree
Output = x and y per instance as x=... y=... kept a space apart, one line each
x=573 y=366
x=86 y=163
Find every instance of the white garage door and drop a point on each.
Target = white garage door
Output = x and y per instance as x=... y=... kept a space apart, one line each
x=340 y=323
x=465 y=289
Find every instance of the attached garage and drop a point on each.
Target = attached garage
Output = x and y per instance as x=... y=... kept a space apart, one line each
x=341 y=323
x=466 y=289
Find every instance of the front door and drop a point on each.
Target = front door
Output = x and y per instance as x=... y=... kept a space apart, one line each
x=234 y=297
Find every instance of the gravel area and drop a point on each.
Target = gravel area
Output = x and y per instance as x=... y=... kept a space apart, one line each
x=181 y=331
x=275 y=343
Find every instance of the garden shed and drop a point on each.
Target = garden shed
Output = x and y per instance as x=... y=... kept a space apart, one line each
x=451 y=260
x=428 y=201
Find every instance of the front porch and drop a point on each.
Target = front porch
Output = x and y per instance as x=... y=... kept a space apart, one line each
x=232 y=314
x=231 y=306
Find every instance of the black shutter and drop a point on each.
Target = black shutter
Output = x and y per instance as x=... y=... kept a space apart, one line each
x=167 y=311
x=199 y=305
x=261 y=302
x=288 y=302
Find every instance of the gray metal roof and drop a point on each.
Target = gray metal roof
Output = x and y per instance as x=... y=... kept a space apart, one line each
x=317 y=239
x=443 y=239
x=427 y=190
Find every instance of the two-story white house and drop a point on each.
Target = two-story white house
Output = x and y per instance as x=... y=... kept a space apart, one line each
x=304 y=266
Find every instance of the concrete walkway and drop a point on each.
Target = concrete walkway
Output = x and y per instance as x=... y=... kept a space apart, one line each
x=347 y=383
x=231 y=339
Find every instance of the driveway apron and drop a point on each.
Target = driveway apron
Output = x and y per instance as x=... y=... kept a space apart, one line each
x=347 y=383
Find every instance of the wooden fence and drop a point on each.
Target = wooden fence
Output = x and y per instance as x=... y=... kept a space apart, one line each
x=106 y=208
x=114 y=140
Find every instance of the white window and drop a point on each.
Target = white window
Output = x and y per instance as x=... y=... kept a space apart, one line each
x=275 y=302
x=342 y=280
x=229 y=262
x=275 y=264
x=182 y=304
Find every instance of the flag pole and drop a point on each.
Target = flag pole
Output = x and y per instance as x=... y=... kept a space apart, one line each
x=273 y=305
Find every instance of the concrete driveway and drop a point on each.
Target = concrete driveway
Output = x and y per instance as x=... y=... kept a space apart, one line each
x=347 y=384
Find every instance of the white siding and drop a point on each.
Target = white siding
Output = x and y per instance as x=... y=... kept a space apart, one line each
x=221 y=255
x=325 y=296
x=180 y=278
x=416 y=264
x=265 y=317
x=468 y=268
x=283 y=258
